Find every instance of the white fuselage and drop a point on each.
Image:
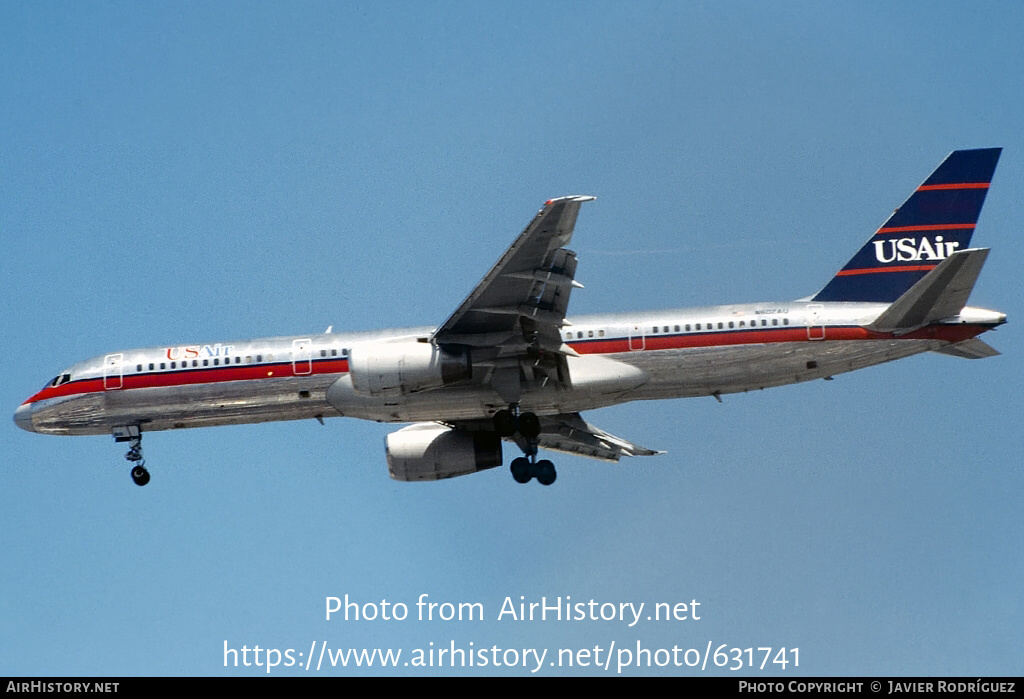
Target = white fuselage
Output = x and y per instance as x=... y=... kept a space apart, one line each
x=675 y=353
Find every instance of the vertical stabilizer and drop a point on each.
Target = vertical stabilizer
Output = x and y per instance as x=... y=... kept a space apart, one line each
x=937 y=219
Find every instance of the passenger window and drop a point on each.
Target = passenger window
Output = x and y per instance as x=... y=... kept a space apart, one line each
x=151 y=366
x=698 y=326
x=731 y=324
x=785 y=321
x=590 y=333
x=163 y=365
x=138 y=367
x=174 y=365
x=775 y=321
x=195 y=362
x=654 y=330
x=719 y=326
x=677 y=328
x=216 y=362
x=600 y=333
x=687 y=327
x=259 y=357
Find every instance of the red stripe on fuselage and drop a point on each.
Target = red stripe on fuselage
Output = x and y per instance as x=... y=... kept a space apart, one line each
x=793 y=333
x=718 y=338
x=179 y=377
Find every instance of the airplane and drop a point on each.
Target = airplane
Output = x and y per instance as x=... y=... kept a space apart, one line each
x=509 y=366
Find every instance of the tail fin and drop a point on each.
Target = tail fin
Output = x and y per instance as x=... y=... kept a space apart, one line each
x=938 y=218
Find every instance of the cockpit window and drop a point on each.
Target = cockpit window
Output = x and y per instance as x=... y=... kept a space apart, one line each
x=59 y=380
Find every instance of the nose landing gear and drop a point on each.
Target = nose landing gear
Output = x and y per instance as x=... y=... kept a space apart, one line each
x=132 y=435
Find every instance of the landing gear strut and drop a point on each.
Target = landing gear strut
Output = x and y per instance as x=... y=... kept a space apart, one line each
x=526 y=428
x=132 y=435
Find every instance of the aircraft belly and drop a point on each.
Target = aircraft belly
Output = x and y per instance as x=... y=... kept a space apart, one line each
x=676 y=373
x=460 y=403
x=706 y=371
x=195 y=405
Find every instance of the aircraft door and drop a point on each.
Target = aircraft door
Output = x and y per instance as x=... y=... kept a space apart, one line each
x=302 y=357
x=815 y=324
x=113 y=372
x=637 y=340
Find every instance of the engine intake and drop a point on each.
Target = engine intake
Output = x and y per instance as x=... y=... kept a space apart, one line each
x=429 y=452
x=400 y=368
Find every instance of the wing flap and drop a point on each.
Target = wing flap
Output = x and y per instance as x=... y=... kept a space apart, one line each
x=570 y=433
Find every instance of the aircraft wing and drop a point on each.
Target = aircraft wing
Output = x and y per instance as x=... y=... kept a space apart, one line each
x=571 y=434
x=517 y=310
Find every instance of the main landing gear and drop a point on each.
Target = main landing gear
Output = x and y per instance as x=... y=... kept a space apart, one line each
x=525 y=427
x=132 y=435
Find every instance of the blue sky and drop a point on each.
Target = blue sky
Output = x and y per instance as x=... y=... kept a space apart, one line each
x=175 y=173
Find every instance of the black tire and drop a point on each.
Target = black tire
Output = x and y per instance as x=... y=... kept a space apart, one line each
x=529 y=426
x=504 y=423
x=521 y=471
x=140 y=475
x=545 y=472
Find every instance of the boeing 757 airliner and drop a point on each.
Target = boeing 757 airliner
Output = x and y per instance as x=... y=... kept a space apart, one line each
x=509 y=366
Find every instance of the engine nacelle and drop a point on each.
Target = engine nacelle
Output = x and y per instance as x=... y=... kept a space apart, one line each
x=400 y=368
x=429 y=452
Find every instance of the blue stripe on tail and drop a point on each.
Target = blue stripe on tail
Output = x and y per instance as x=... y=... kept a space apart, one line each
x=938 y=218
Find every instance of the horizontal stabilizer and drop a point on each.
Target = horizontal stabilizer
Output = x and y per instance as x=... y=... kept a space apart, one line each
x=942 y=293
x=970 y=349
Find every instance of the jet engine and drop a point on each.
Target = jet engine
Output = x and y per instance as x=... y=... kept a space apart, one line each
x=427 y=451
x=400 y=368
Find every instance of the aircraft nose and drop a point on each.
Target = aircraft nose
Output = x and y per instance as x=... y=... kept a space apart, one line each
x=23 y=417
